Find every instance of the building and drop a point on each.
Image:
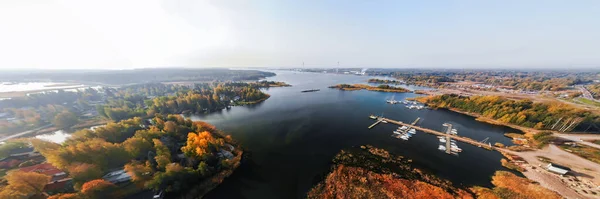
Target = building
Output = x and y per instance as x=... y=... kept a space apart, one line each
x=47 y=169
x=562 y=170
x=118 y=176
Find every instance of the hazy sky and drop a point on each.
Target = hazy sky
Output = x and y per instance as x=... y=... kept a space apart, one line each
x=112 y=34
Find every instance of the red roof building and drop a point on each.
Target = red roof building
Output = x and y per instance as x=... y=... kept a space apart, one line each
x=46 y=168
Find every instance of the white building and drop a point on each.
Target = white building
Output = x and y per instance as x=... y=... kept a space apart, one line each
x=562 y=170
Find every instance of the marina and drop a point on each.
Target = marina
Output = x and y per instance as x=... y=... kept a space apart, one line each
x=448 y=140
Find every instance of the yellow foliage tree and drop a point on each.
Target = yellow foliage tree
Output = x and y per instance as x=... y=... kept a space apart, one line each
x=24 y=184
x=201 y=144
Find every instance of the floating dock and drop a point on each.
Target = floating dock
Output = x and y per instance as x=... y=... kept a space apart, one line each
x=376 y=123
x=434 y=132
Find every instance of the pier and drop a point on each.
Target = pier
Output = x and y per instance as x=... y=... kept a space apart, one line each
x=376 y=123
x=434 y=132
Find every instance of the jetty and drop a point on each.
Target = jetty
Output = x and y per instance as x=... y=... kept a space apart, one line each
x=376 y=123
x=437 y=133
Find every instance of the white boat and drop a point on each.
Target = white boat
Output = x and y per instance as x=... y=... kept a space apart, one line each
x=403 y=127
x=443 y=140
x=412 y=131
x=407 y=134
x=455 y=149
x=373 y=117
x=384 y=121
x=396 y=132
x=441 y=148
x=404 y=137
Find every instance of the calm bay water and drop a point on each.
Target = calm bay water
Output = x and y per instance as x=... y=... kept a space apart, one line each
x=292 y=137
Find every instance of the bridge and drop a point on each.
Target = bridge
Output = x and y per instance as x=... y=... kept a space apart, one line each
x=438 y=133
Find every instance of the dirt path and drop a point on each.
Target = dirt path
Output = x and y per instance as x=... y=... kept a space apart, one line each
x=587 y=173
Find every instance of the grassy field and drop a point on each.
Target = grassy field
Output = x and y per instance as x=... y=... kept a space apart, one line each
x=588 y=102
x=590 y=153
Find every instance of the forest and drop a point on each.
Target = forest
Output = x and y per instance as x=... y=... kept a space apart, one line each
x=517 y=79
x=549 y=116
x=64 y=109
x=167 y=153
x=380 y=88
x=148 y=99
x=369 y=172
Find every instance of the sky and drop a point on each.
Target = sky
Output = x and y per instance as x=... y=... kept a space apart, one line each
x=124 y=34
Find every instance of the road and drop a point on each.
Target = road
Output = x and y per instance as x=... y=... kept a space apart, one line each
x=586 y=93
x=581 y=138
x=23 y=133
x=581 y=167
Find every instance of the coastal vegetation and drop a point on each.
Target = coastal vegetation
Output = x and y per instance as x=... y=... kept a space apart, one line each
x=171 y=154
x=519 y=80
x=549 y=116
x=384 y=81
x=380 y=88
x=594 y=89
x=587 y=152
x=133 y=101
x=369 y=172
x=267 y=84
x=508 y=185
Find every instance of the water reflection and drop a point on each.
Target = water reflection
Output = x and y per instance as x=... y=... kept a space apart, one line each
x=293 y=136
x=57 y=137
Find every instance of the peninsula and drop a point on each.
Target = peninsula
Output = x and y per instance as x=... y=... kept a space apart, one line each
x=380 y=88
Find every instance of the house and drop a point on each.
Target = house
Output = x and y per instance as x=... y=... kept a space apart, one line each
x=59 y=186
x=116 y=177
x=562 y=170
x=47 y=169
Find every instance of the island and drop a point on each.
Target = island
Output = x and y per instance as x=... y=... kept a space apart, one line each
x=267 y=84
x=380 y=88
x=370 y=172
x=385 y=81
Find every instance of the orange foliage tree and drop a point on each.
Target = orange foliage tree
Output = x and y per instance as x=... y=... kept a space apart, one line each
x=201 y=144
x=98 y=188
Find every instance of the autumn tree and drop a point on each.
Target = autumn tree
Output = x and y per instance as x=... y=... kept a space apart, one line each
x=22 y=183
x=66 y=196
x=83 y=172
x=98 y=189
x=137 y=147
x=140 y=172
x=175 y=178
x=199 y=145
x=163 y=155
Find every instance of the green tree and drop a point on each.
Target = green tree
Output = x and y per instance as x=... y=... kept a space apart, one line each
x=65 y=120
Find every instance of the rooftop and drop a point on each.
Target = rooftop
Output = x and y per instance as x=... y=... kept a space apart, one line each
x=560 y=166
x=44 y=168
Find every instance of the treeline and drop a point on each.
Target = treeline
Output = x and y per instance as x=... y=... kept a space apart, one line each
x=148 y=99
x=380 y=88
x=595 y=90
x=384 y=81
x=60 y=97
x=166 y=153
x=136 y=76
x=522 y=112
x=525 y=80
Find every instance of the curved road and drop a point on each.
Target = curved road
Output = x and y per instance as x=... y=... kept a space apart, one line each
x=23 y=133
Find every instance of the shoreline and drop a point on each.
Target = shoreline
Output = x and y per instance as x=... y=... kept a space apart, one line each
x=356 y=87
x=480 y=118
